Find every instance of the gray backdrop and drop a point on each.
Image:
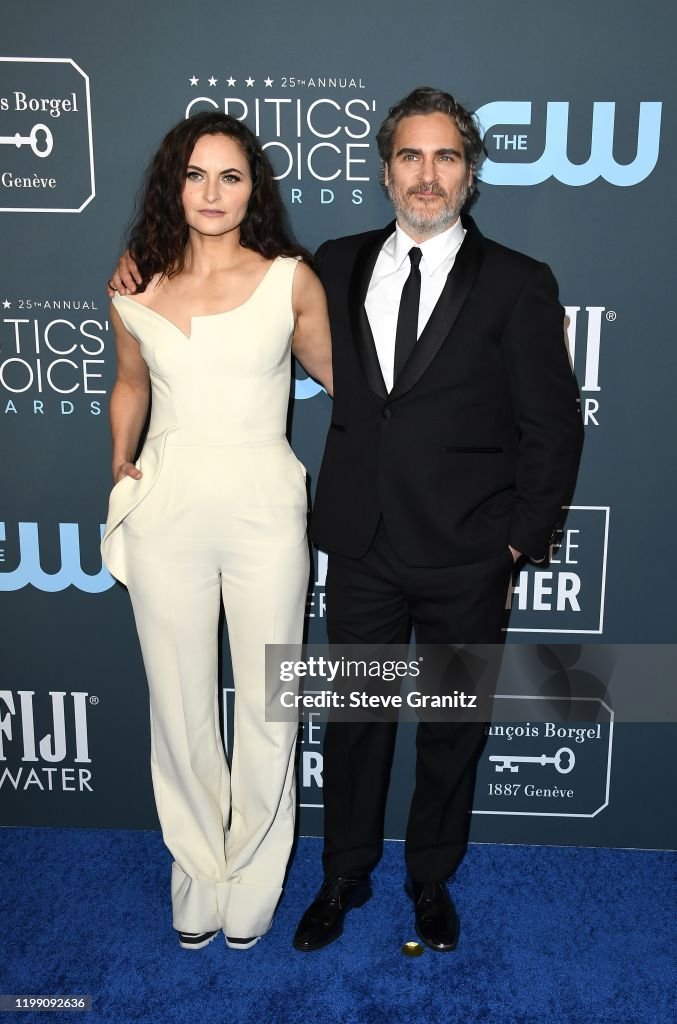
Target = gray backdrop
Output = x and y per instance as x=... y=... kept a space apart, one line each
x=577 y=103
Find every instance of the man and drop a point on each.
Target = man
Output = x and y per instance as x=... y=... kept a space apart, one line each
x=454 y=442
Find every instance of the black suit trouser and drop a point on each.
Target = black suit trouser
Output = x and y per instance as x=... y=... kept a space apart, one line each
x=375 y=600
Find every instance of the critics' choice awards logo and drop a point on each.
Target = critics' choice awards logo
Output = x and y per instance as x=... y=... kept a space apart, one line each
x=30 y=549
x=511 y=149
x=52 y=357
x=568 y=595
x=46 y=154
x=547 y=768
x=319 y=145
x=44 y=741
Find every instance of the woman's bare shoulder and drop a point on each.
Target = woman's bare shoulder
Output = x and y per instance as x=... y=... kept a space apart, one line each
x=149 y=296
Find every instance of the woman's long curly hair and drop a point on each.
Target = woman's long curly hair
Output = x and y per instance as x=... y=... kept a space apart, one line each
x=158 y=237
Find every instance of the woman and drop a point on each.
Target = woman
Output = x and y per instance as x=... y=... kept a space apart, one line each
x=215 y=506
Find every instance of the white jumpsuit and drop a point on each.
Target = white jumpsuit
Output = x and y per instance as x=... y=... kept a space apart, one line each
x=219 y=511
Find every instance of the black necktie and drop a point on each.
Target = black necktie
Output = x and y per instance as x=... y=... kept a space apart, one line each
x=407 y=318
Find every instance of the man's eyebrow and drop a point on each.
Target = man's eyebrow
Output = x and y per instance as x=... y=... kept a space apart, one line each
x=446 y=151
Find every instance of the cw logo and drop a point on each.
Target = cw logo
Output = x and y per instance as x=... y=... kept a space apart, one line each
x=554 y=162
x=30 y=572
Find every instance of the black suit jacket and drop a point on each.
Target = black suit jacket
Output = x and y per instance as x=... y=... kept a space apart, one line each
x=477 y=445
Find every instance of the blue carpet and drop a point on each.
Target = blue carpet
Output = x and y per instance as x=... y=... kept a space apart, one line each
x=548 y=936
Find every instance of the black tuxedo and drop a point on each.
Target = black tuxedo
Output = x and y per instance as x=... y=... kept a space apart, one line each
x=477 y=445
x=419 y=494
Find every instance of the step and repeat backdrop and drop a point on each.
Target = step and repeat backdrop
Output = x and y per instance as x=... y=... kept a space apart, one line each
x=577 y=106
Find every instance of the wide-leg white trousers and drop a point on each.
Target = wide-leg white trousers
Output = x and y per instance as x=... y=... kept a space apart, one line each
x=222 y=522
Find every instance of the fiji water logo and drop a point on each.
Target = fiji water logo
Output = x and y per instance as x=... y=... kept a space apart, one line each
x=29 y=570
x=554 y=161
x=19 y=729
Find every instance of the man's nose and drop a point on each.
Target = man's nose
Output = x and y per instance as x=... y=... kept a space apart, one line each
x=427 y=170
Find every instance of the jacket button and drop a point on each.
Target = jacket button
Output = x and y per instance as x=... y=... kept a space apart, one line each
x=387 y=413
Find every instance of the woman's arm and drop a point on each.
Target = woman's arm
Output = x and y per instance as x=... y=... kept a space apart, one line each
x=311 y=343
x=128 y=400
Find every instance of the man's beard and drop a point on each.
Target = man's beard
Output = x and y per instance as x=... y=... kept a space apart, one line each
x=423 y=221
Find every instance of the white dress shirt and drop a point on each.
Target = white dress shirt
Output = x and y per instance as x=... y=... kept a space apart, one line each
x=382 y=303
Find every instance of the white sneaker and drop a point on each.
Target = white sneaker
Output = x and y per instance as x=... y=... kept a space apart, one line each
x=234 y=943
x=196 y=940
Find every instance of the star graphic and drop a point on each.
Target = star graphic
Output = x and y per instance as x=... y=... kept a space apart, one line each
x=212 y=80
x=6 y=304
x=268 y=82
x=193 y=80
x=231 y=81
x=249 y=82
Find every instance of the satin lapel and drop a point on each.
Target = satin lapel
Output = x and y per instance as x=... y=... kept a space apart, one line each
x=362 y=336
x=442 y=319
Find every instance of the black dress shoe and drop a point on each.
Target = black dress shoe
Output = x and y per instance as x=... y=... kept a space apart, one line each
x=437 y=923
x=322 y=922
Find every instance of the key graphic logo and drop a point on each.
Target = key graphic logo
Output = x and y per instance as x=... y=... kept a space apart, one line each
x=540 y=768
x=46 y=153
x=564 y=761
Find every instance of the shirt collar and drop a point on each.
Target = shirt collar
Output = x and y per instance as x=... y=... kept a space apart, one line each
x=435 y=250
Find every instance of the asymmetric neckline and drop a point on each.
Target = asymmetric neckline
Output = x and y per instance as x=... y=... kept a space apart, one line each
x=199 y=316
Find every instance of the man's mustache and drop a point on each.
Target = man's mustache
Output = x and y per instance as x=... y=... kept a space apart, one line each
x=427 y=190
